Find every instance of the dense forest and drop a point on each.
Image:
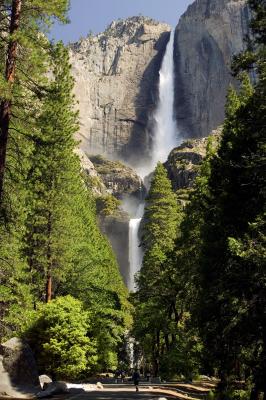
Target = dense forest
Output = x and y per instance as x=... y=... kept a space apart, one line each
x=200 y=304
x=60 y=283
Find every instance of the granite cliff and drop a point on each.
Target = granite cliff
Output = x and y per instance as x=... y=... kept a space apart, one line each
x=184 y=162
x=207 y=36
x=117 y=71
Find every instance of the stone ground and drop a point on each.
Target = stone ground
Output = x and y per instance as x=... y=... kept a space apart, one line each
x=154 y=392
x=126 y=393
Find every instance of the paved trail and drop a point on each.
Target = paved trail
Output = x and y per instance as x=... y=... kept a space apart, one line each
x=120 y=394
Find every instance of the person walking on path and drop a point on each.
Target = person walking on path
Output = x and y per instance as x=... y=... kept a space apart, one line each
x=136 y=379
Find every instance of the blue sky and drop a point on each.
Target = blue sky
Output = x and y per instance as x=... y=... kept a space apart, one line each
x=95 y=15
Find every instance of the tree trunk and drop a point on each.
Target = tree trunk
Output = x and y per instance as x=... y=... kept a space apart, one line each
x=48 y=292
x=6 y=105
x=166 y=340
x=48 y=296
x=255 y=394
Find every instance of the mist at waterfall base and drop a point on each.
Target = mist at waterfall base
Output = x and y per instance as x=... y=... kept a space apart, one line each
x=165 y=138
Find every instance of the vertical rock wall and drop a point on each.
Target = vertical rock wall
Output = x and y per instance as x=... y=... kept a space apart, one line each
x=207 y=36
x=116 y=74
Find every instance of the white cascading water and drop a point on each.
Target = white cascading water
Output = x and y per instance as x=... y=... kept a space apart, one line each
x=165 y=135
x=164 y=140
x=135 y=251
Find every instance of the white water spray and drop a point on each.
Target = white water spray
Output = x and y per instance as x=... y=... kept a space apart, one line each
x=165 y=138
x=135 y=251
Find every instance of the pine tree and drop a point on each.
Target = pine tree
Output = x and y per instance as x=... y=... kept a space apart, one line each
x=233 y=287
x=23 y=73
x=155 y=301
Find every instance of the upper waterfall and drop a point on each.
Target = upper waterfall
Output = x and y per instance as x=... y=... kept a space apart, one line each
x=165 y=134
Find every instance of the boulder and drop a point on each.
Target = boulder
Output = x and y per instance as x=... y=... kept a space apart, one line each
x=44 y=380
x=99 y=385
x=53 y=388
x=18 y=371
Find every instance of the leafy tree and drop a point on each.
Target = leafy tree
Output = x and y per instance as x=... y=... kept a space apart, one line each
x=60 y=337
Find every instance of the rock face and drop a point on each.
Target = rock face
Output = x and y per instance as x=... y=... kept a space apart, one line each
x=207 y=36
x=183 y=163
x=118 y=178
x=18 y=371
x=116 y=74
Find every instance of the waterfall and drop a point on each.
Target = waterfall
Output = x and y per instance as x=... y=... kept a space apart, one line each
x=135 y=251
x=165 y=138
x=165 y=134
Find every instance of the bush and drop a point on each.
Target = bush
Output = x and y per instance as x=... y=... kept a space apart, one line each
x=211 y=395
x=239 y=395
x=59 y=339
x=107 y=205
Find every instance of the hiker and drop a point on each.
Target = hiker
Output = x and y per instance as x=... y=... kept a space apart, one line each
x=136 y=379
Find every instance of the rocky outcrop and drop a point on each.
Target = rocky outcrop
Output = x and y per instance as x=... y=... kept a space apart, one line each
x=18 y=371
x=207 y=36
x=184 y=162
x=118 y=178
x=116 y=73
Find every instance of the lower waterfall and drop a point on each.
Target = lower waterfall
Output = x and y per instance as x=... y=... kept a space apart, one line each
x=135 y=250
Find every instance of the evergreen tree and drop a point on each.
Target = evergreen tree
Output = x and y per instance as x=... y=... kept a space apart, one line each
x=22 y=80
x=232 y=309
x=51 y=181
x=155 y=300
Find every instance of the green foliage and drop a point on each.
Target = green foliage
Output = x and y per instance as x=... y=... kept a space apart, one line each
x=160 y=214
x=107 y=205
x=51 y=231
x=158 y=310
x=184 y=356
x=211 y=395
x=60 y=337
x=232 y=233
x=239 y=395
x=215 y=271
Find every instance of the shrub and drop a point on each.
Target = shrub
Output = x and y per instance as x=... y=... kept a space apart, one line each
x=59 y=338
